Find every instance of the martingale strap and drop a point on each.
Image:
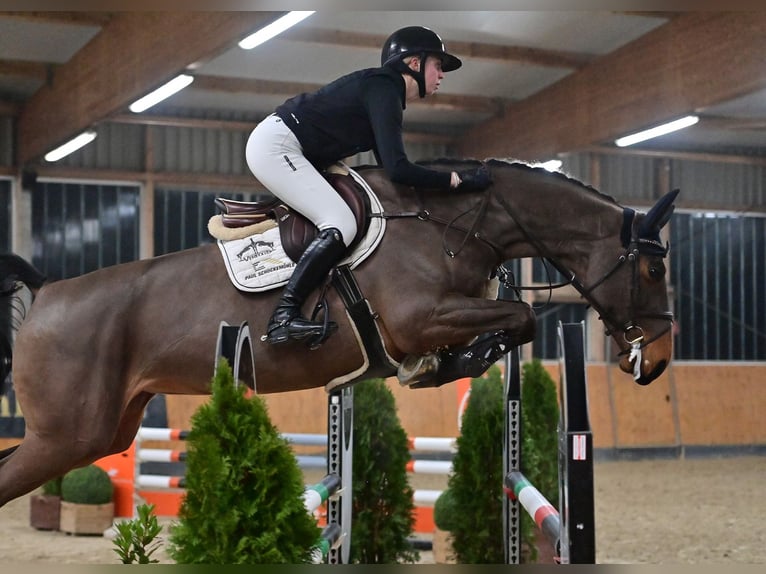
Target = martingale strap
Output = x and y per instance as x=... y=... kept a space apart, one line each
x=381 y=364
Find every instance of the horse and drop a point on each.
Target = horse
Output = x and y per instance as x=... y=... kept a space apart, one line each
x=94 y=349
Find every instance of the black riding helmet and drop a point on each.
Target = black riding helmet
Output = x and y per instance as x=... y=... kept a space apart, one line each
x=416 y=41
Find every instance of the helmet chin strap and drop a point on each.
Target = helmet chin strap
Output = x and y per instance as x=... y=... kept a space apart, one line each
x=419 y=75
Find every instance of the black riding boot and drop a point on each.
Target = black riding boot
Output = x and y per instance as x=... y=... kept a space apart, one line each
x=313 y=266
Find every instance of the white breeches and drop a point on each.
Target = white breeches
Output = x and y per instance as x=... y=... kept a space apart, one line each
x=276 y=159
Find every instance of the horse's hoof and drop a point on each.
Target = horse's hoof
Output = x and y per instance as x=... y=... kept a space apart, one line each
x=418 y=369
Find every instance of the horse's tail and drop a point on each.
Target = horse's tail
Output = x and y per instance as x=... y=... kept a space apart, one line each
x=7 y=451
x=15 y=272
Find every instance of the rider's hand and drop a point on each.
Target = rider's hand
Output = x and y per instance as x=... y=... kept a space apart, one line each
x=474 y=179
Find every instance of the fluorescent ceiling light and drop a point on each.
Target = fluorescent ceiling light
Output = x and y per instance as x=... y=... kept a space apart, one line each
x=275 y=28
x=550 y=165
x=675 y=125
x=72 y=145
x=173 y=86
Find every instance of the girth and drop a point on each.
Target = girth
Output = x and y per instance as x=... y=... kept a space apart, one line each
x=295 y=230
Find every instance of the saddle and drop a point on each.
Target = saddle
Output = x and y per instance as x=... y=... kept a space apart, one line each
x=295 y=230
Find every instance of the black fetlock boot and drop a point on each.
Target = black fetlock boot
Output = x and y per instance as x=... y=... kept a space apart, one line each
x=287 y=323
x=437 y=369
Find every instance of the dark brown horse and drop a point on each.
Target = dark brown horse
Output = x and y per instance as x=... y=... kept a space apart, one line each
x=94 y=349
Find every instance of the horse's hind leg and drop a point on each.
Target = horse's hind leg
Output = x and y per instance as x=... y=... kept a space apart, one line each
x=37 y=459
x=32 y=464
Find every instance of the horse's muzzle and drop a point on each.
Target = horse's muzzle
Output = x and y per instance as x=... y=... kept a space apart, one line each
x=655 y=358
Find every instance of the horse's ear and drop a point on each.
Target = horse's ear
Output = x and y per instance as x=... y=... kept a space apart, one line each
x=658 y=215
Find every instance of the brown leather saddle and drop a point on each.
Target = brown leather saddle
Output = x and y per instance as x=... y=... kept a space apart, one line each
x=295 y=230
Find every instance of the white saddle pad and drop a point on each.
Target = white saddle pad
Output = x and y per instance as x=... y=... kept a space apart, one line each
x=259 y=262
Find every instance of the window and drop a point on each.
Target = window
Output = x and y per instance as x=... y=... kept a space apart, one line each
x=718 y=272
x=181 y=217
x=78 y=228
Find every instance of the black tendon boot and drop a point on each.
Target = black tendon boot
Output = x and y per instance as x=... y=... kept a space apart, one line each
x=471 y=361
x=320 y=257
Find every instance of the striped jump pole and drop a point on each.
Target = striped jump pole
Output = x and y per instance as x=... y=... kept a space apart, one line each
x=418 y=443
x=331 y=535
x=160 y=455
x=545 y=515
x=160 y=481
x=164 y=434
x=317 y=494
x=414 y=466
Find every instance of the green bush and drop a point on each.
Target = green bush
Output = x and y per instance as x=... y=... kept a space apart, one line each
x=383 y=507
x=446 y=514
x=476 y=481
x=136 y=539
x=53 y=487
x=244 y=490
x=87 y=485
x=472 y=508
x=539 y=430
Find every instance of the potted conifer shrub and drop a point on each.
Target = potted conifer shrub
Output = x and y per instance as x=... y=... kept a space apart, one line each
x=45 y=506
x=383 y=507
x=87 y=505
x=471 y=507
x=244 y=489
x=445 y=520
x=476 y=482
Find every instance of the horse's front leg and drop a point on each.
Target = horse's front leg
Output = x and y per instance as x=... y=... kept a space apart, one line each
x=457 y=320
x=494 y=326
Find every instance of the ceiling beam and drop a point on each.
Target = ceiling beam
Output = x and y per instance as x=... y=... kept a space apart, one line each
x=732 y=123
x=477 y=50
x=480 y=104
x=134 y=53
x=236 y=125
x=694 y=61
x=27 y=69
x=42 y=71
x=680 y=155
x=83 y=18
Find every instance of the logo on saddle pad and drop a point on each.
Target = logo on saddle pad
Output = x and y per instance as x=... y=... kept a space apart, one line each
x=259 y=262
x=255 y=249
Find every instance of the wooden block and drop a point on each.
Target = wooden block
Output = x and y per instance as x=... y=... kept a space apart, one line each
x=44 y=511
x=86 y=518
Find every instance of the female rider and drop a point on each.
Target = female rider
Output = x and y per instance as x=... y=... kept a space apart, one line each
x=358 y=112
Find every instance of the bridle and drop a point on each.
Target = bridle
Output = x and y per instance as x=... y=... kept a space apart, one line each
x=633 y=243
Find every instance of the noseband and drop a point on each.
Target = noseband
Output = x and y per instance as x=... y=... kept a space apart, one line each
x=631 y=331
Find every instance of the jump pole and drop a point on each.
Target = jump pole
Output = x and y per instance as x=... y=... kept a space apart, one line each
x=572 y=531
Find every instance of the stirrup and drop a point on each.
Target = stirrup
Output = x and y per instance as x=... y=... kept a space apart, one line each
x=328 y=327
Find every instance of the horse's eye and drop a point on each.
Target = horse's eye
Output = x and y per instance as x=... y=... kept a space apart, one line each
x=656 y=272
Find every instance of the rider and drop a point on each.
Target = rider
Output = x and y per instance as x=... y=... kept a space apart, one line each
x=358 y=112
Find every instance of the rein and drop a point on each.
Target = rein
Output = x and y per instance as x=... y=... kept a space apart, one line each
x=451 y=224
